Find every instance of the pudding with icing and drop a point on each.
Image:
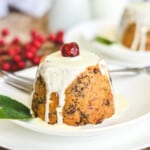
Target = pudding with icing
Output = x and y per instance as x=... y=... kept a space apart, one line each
x=134 y=31
x=72 y=87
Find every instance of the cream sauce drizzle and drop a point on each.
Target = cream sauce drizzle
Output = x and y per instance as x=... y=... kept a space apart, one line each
x=59 y=72
x=138 y=12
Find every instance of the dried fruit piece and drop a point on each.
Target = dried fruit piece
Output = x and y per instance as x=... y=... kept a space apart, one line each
x=70 y=50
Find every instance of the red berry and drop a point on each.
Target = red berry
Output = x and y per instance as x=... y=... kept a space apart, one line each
x=70 y=49
x=5 y=32
x=41 y=38
x=34 y=33
x=17 y=58
x=33 y=50
x=36 y=44
x=11 y=52
x=59 y=37
x=29 y=55
x=60 y=33
x=1 y=51
x=2 y=42
x=1 y=60
x=6 y=66
x=14 y=67
x=30 y=48
x=16 y=40
x=59 y=40
x=27 y=46
x=52 y=37
x=18 y=49
x=36 y=60
x=21 y=64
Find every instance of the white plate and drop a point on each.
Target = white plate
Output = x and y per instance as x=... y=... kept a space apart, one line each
x=130 y=128
x=85 y=32
x=132 y=106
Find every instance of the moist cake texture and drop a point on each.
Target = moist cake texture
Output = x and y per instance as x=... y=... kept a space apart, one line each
x=72 y=90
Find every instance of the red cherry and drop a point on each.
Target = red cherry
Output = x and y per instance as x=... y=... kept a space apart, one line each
x=29 y=55
x=16 y=40
x=70 y=49
x=21 y=64
x=2 y=42
x=5 y=32
x=36 y=60
x=52 y=37
x=6 y=66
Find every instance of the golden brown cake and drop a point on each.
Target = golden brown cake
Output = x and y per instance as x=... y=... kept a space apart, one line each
x=72 y=90
x=134 y=31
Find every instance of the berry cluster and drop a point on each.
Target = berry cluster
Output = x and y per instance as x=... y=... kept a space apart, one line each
x=15 y=55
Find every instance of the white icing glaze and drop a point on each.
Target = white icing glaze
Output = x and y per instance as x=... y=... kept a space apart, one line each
x=58 y=72
x=121 y=105
x=138 y=13
x=136 y=38
x=103 y=68
x=104 y=71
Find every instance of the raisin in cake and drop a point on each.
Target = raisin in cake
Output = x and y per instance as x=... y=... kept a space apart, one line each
x=72 y=87
x=134 y=31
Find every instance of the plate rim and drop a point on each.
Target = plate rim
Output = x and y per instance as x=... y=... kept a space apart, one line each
x=73 y=32
x=85 y=131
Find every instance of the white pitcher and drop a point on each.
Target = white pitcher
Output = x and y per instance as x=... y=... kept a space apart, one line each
x=108 y=8
x=67 y=13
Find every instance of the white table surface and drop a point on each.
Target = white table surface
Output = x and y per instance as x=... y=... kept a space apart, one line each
x=18 y=138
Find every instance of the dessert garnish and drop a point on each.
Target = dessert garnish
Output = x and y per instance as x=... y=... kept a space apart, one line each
x=12 y=109
x=103 y=40
x=16 y=55
x=70 y=49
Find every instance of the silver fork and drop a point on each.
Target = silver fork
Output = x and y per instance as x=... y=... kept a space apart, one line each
x=132 y=71
x=22 y=83
x=26 y=84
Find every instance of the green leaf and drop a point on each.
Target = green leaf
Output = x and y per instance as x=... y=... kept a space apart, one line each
x=11 y=109
x=103 y=40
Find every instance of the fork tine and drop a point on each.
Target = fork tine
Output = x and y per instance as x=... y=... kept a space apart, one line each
x=20 y=87
x=12 y=75
x=22 y=83
x=18 y=81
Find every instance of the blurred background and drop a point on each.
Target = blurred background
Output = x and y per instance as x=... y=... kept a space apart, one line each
x=30 y=29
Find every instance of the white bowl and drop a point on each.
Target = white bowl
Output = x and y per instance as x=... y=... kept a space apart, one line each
x=84 y=34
